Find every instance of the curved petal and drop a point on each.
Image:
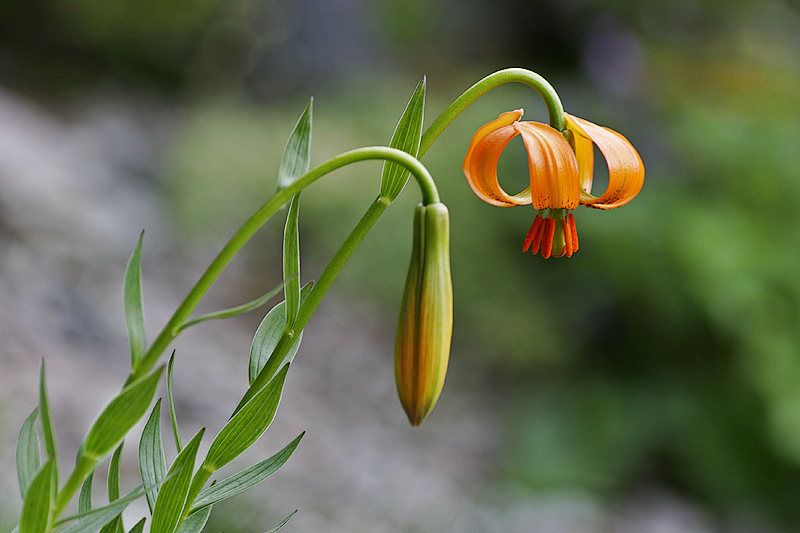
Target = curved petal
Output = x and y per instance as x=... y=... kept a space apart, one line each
x=584 y=151
x=552 y=165
x=625 y=167
x=480 y=164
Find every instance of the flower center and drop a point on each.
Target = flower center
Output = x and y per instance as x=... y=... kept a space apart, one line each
x=554 y=231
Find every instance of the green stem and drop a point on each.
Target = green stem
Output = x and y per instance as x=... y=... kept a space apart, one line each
x=254 y=223
x=521 y=75
x=315 y=297
x=82 y=469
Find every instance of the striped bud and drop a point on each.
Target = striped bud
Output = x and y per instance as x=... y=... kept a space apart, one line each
x=422 y=346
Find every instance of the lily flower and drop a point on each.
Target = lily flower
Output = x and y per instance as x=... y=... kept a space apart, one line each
x=561 y=173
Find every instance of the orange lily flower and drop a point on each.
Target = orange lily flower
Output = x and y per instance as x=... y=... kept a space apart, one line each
x=561 y=175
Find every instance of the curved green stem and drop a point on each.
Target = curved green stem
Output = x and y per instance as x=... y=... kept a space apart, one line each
x=521 y=75
x=429 y=195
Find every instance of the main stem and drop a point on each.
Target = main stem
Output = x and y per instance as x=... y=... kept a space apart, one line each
x=254 y=223
x=520 y=75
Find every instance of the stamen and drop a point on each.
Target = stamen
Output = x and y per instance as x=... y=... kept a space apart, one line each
x=574 y=229
x=534 y=236
x=547 y=237
x=568 y=249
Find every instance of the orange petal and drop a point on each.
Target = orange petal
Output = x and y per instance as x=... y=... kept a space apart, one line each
x=584 y=151
x=625 y=167
x=480 y=164
x=552 y=166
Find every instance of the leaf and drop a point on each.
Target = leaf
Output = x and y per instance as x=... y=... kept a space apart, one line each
x=196 y=521
x=28 y=458
x=173 y=492
x=119 y=416
x=235 y=311
x=291 y=262
x=40 y=500
x=115 y=526
x=245 y=479
x=247 y=425
x=406 y=137
x=152 y=465
x=139 y=527
x=85 y=496
x=268 y=334
x=296 y=158
x=132 y=298
x=93 y=520
x=48 y=432
x=172 y=417
x=283 y=523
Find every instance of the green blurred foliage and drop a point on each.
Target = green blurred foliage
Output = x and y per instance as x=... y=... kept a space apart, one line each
x=668 y=347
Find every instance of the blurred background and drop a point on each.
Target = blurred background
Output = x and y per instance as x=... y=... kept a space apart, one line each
x=651 y=383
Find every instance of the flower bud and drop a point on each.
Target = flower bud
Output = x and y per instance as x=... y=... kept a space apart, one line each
x=422 y=346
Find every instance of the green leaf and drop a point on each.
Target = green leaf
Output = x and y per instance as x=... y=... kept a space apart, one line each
x=93 y=520
x=291 y=262
x=406 y=137
x=172 y=416
x=246 y=478
x=39 y=500
x=115 y=526
x=283 y=523
x=296 y=158
x=152 y=465
x=247 y=425
x=48 y=432
x=85 y=496
x=268 y=334
x=119 y=416
x=139 y=527
x=132 y=298
x=28 y=458
x=235 y=311
x=196 y=521
x=174 y=490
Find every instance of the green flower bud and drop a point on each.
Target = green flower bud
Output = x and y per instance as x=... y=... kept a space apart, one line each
x=422 y=346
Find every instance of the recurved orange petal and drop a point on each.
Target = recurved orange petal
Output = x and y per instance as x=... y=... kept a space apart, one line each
x=552 y=166
x=625 y=167
x=480 y=164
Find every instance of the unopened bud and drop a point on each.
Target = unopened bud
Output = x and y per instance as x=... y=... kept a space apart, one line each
x=422 y=346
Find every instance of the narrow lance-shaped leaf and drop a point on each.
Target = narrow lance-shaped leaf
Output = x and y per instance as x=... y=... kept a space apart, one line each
x=132 y=298
x=85 y=496
x=283 y=523
x=172 y=416
x=28 y=458
x=46 y=422
x=269 y=333
x=93 y=520
x=296 y=158
x=152 y=464
x=291 y=262
x=139 y=527
x=234 y=311
x=119 y=416
x=295 y=162
x=247 y=425
x=115 y=526
x=245 y=479
x=406 y=137
x=173 y=492
x=39 y=500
